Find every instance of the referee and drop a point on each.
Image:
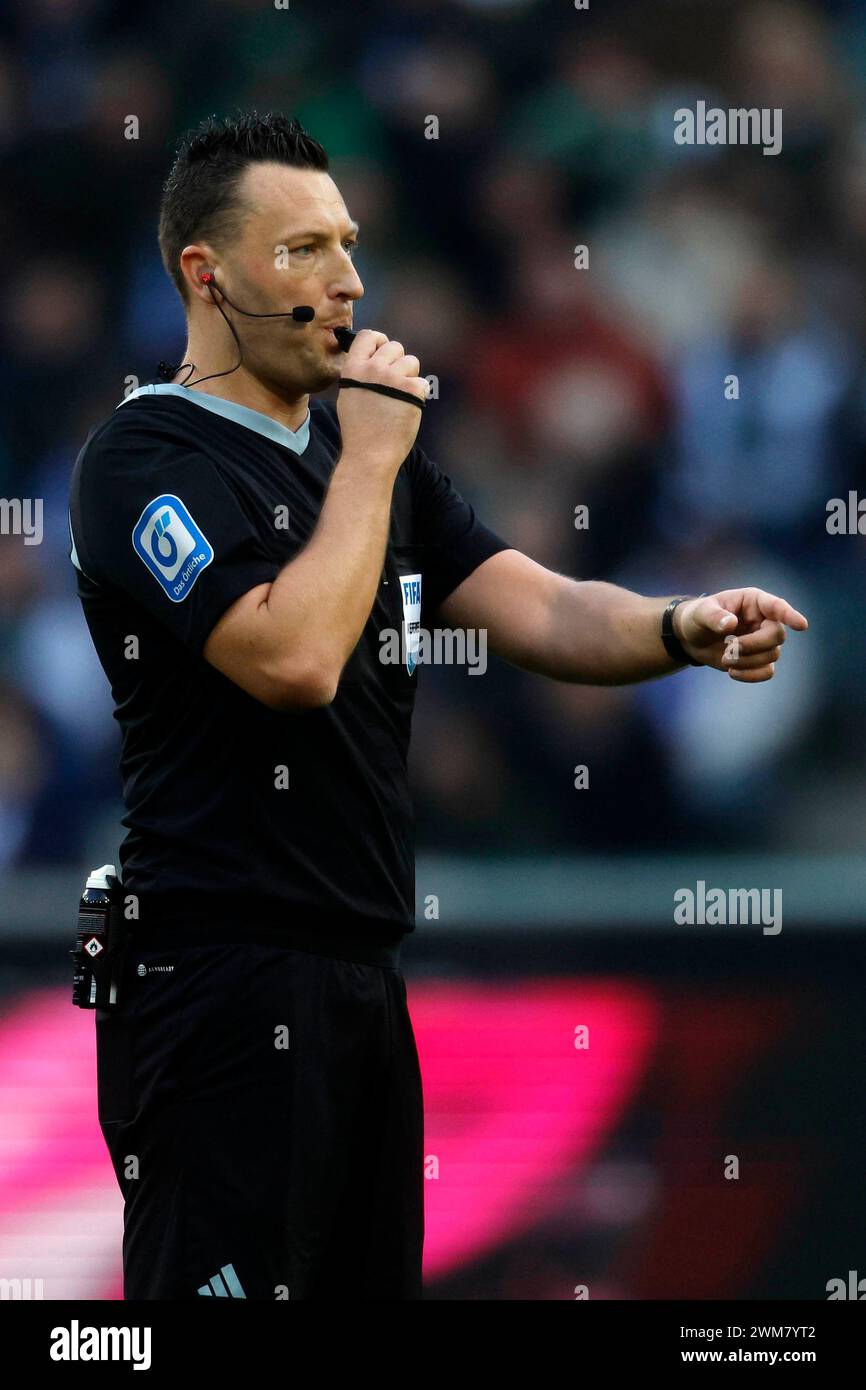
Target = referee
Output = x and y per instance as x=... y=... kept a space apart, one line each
x=239 y=548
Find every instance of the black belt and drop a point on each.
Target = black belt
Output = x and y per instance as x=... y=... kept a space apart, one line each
x=164 y=928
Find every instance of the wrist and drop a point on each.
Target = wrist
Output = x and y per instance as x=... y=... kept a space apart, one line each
x=379 y=461
x=672 y=632
x=677 y=618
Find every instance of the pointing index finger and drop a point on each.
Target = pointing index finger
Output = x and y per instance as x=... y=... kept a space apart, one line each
x=774 y=607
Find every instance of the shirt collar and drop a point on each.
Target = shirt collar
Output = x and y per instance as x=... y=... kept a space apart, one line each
x=297 y=440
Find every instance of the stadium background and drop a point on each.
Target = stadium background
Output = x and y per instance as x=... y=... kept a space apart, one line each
x=557 y=1167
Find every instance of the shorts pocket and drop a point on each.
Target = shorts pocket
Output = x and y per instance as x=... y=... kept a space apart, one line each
x=114 y=1066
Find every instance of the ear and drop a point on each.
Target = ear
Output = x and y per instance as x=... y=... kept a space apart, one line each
x=196 y=263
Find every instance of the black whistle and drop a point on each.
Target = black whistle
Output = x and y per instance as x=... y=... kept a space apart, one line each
x=345 y=337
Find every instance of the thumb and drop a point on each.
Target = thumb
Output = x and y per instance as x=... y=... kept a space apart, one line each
x=710 y=616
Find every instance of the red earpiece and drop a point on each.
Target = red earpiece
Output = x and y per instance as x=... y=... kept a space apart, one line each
x=207 y=277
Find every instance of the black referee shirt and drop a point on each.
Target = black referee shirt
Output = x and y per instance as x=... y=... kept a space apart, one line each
x=180 y=503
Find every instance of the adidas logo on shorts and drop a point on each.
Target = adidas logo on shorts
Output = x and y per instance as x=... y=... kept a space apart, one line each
x=230 y=1289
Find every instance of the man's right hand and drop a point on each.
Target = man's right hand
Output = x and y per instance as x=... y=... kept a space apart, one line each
x=375 y=426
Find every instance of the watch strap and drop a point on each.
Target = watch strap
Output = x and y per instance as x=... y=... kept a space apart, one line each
x=673 y=646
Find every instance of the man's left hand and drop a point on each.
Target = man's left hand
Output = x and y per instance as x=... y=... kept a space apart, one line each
x=740 y=631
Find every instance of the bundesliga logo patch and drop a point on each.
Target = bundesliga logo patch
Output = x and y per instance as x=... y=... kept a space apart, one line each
x=172 y=547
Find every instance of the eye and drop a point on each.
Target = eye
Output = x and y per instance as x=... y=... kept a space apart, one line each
x=296 y=251
x=351 y=245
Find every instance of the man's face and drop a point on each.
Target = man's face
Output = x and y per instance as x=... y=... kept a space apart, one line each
x=295 y=247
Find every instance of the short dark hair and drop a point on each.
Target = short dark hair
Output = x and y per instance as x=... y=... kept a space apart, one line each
x=200 y=196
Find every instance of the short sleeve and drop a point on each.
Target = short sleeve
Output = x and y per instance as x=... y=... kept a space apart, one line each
x=163 y=525
x=455 y=542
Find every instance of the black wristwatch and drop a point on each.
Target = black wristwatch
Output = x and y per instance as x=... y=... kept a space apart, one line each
x=673 y=646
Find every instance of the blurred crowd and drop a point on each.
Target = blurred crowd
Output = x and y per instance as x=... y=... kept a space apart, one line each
x=558 y=387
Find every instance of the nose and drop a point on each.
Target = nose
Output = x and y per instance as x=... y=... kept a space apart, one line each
x=356 y=286
x=349 y=284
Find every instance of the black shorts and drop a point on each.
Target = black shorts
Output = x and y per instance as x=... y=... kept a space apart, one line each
x=262 y=1107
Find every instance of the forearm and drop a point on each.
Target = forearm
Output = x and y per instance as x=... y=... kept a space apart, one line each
x=323 y=598
x=599 y=634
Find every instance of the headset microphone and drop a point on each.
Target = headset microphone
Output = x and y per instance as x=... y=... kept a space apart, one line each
x=302 y=313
